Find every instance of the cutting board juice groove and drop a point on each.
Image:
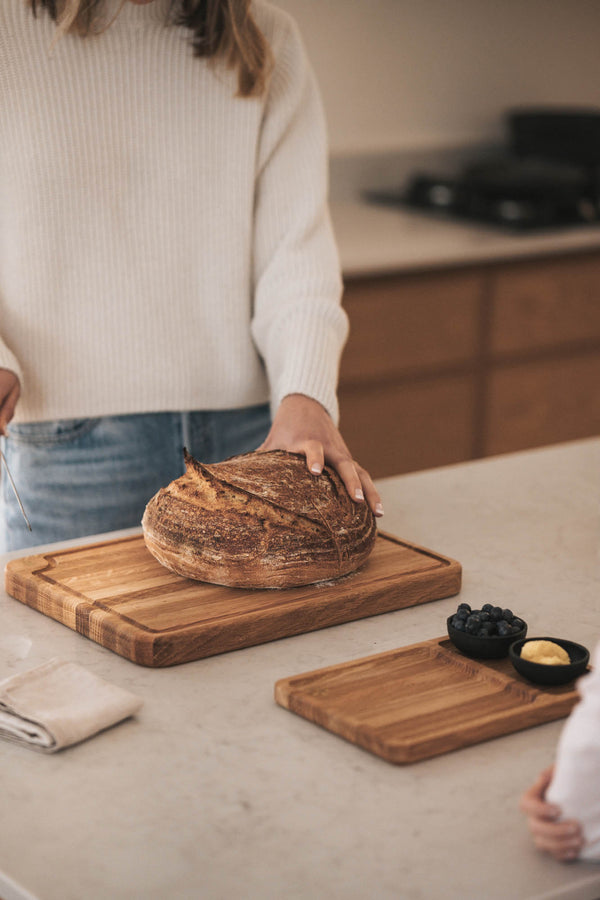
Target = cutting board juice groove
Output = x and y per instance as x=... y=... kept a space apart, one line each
x=421 y=701
x=117 y=594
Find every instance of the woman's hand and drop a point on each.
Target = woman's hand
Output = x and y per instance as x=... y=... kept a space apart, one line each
x=10 y=390
x=301 y=425
x=561 y=839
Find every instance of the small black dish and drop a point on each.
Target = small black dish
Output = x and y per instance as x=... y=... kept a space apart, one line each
x=541 y=673
x=492 y=647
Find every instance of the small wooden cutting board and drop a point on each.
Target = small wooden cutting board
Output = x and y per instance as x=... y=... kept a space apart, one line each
x=117 y=594
x=422 y=700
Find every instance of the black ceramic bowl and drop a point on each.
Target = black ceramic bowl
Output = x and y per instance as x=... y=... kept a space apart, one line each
x=541 y=673
x=492 y=647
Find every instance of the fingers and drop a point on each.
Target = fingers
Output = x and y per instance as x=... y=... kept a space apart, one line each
x=357 y=480
x=556 y=833
x=315 y=456
x=7 y=407
x=302 y=425
x=532 y=802
x=312 y=450
x=562 y=840
x=348 y=472
x=359 y=484
x=543 y=780
x=370 y=491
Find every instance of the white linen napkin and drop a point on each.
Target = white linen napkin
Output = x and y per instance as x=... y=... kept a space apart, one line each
x=58 y=704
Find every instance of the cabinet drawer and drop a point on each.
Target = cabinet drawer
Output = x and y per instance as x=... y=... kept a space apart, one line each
x=412 y=322
x=543 y=403
x=401 y=428
x=547 y=303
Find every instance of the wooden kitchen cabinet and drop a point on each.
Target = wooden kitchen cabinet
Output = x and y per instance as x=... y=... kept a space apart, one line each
x=536 y=403
x=546 y=305
x=398 y=324
x=446 y=366
x=415 y=425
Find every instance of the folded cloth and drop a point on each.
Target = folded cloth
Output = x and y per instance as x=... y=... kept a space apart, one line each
x=58 y=704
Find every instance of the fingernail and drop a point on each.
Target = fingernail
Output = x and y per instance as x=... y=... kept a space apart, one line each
x=358 y=494
x=316 y=469
x=378 y=509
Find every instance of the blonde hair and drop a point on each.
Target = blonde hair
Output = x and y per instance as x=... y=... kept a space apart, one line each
x=223 y=30
x=70 y=12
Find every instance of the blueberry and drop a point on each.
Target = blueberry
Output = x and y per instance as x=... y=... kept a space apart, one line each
x=486 y=629
x=518 y=623
x=514 y=629
x=463 y=606
x=459 y=624
x=461 y=615
x=496 y=614
x=487 y=607
x=507 y=615
x=485 y=616
x=504 y=629
x=472 y=624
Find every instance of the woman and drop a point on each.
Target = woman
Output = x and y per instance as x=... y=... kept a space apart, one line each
x=167 y=266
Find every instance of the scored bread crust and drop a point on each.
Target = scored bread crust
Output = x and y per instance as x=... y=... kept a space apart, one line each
x=259 y=520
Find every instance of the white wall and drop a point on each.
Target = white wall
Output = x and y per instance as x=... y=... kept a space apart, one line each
x=400 y=74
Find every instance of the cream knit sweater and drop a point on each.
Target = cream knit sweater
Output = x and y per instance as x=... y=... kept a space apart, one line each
x=164 y=245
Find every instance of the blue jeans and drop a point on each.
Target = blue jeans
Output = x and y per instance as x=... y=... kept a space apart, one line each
x=88 y=476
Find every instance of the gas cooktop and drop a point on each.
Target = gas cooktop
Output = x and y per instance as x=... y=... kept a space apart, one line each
x=508 y=192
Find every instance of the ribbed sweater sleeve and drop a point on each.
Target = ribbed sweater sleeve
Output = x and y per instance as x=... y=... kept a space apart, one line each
x=298 y=324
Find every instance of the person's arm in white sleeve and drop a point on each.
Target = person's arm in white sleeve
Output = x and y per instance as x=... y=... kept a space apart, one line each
x=563 y=806
x=299 y=325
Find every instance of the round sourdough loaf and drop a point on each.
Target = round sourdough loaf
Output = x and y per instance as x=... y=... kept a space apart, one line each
x=260 y=520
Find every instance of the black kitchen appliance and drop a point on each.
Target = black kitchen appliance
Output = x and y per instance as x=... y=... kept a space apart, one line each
x=547 y=176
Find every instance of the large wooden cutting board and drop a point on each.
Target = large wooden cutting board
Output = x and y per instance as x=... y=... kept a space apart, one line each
x=422 y=700
x=117 y=594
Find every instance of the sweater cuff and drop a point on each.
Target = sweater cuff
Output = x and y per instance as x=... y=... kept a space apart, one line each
x=310 y=348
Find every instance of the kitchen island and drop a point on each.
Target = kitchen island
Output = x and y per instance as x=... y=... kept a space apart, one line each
x=213 y=791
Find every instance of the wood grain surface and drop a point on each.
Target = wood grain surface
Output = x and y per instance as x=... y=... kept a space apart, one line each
x=422 y=700
x=117 y=594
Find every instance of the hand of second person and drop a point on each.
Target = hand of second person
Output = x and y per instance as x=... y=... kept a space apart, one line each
x=562 y=839
x=302 y=425
x=9 y=394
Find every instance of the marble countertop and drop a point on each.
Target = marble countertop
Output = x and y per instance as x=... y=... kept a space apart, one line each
x=214 y=791
x=375 y=239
